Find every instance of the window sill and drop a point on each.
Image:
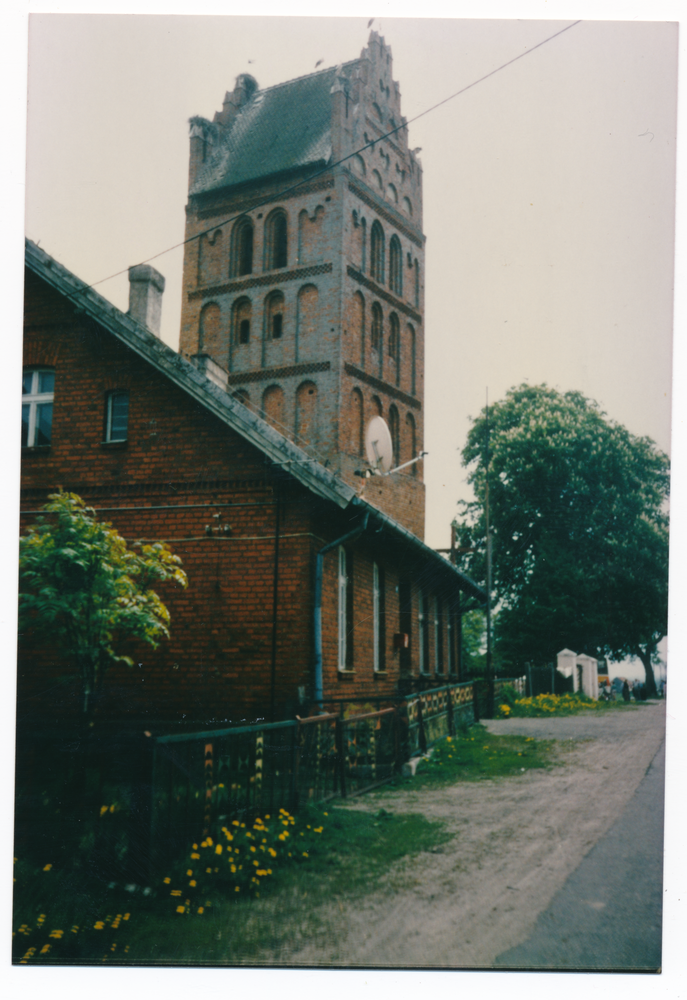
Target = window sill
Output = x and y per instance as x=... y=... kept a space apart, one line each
x=346 y=674
x=36 y=449
x=114 y=445
x=381 y=673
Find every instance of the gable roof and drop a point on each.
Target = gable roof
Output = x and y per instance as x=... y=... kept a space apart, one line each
x=279 y=129
x=306 y=470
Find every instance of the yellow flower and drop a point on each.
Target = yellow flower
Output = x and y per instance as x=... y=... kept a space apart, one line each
x=45 y=949
x=305 y=854
x=175 y=892
x=99 y=925
x=166 y=880
x=235 y=822
x=126 y=916
x=192 y=882
x=195 y=857
x=189 y=872
x=47 y=868
x=103 y=810
x=208 y=871
x=271 y=850
x=218 y=849
x=195 y=847
x=237 y=888
x=252 y=849
x=209 y=841
x=181 y=909
x=201 y=909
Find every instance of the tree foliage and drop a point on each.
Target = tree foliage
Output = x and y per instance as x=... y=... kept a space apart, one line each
x=83 y=589
x=579 y=528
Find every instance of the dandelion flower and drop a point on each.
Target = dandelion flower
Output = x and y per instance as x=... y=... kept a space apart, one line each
x=201 y=909
x=181 y=909
x=189 y=872
x=167 y=880
x=218 y=849
x=192 y=882
x=47 y=868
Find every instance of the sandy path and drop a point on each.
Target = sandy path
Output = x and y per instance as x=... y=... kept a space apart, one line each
x=515 y=841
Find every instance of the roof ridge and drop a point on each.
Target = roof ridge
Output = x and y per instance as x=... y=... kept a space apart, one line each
x=306 y=76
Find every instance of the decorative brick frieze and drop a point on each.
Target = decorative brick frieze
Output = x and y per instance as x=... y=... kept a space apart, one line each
x=267 y=374
x=274 y=278
x=378 y=383
x=381 y=293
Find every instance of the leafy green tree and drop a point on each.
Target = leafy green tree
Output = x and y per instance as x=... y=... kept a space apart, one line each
x=579 y=528
x=86 y=592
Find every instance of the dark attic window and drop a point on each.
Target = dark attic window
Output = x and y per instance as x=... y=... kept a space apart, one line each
x=244 y=331
x=277 y=320
x=117 y=417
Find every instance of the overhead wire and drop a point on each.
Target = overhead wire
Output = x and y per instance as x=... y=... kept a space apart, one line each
x=268 y=199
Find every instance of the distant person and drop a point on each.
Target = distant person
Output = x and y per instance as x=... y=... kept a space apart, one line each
x=626 y=691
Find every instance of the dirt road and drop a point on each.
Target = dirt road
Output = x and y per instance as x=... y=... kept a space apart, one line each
x=515 y=842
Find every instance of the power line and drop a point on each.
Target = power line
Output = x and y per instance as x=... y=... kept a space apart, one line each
x=330 y=166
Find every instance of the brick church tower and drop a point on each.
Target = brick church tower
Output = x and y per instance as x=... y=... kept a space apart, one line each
x=304 y=295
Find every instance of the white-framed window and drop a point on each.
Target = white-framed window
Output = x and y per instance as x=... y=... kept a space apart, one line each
x=438 y=637
x=343 y=607
x=117 y=416
x=38 y=390
x=423 y=630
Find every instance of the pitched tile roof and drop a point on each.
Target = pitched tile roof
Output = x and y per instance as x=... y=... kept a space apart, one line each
x=279 y=129
x=233 y=413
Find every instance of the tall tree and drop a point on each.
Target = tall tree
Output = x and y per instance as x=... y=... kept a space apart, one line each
x=579 y=528
x=85 y=591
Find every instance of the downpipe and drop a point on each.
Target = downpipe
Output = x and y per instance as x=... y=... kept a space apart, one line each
x=319 y=570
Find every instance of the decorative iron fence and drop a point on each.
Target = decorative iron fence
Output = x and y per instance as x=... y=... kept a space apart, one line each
x=435 y=714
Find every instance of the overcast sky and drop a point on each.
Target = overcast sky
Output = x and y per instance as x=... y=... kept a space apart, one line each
x=548 y=188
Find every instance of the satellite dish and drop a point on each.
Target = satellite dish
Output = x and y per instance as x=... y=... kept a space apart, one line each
x=378 y=446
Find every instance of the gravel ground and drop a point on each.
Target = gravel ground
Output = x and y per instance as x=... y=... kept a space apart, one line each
x=514 y=843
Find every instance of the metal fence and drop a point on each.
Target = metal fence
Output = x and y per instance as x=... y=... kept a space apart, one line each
x=202 y=779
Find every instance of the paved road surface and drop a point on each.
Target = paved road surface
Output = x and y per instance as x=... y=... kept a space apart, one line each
x=608 y=913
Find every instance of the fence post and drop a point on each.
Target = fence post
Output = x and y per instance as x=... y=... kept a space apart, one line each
x=475 y=700
x=421 y=735
x=449 y=712
x=340 y=752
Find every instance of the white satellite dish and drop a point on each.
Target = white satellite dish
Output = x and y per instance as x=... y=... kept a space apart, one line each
x=378 y=446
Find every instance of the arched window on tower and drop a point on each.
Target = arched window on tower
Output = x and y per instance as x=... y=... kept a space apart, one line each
x=394 y=430
x=276 y=240
x=241 y=319
x=242 y=248
x=417 y=284
x=377 y=252
x=273 y=406
x=395 y=265
x=395 y=346
x=413 y=349
x=411 y=439
x=355 y=444
x=306 y=414
x=377 y=336
x=274 y=316
x=211 y=258
x=208 y=329
x=358 y=325
x=306 y=322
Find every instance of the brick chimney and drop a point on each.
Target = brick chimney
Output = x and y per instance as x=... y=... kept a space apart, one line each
x=146 y=286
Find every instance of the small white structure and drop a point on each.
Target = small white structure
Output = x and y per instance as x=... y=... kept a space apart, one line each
x=583 y=670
